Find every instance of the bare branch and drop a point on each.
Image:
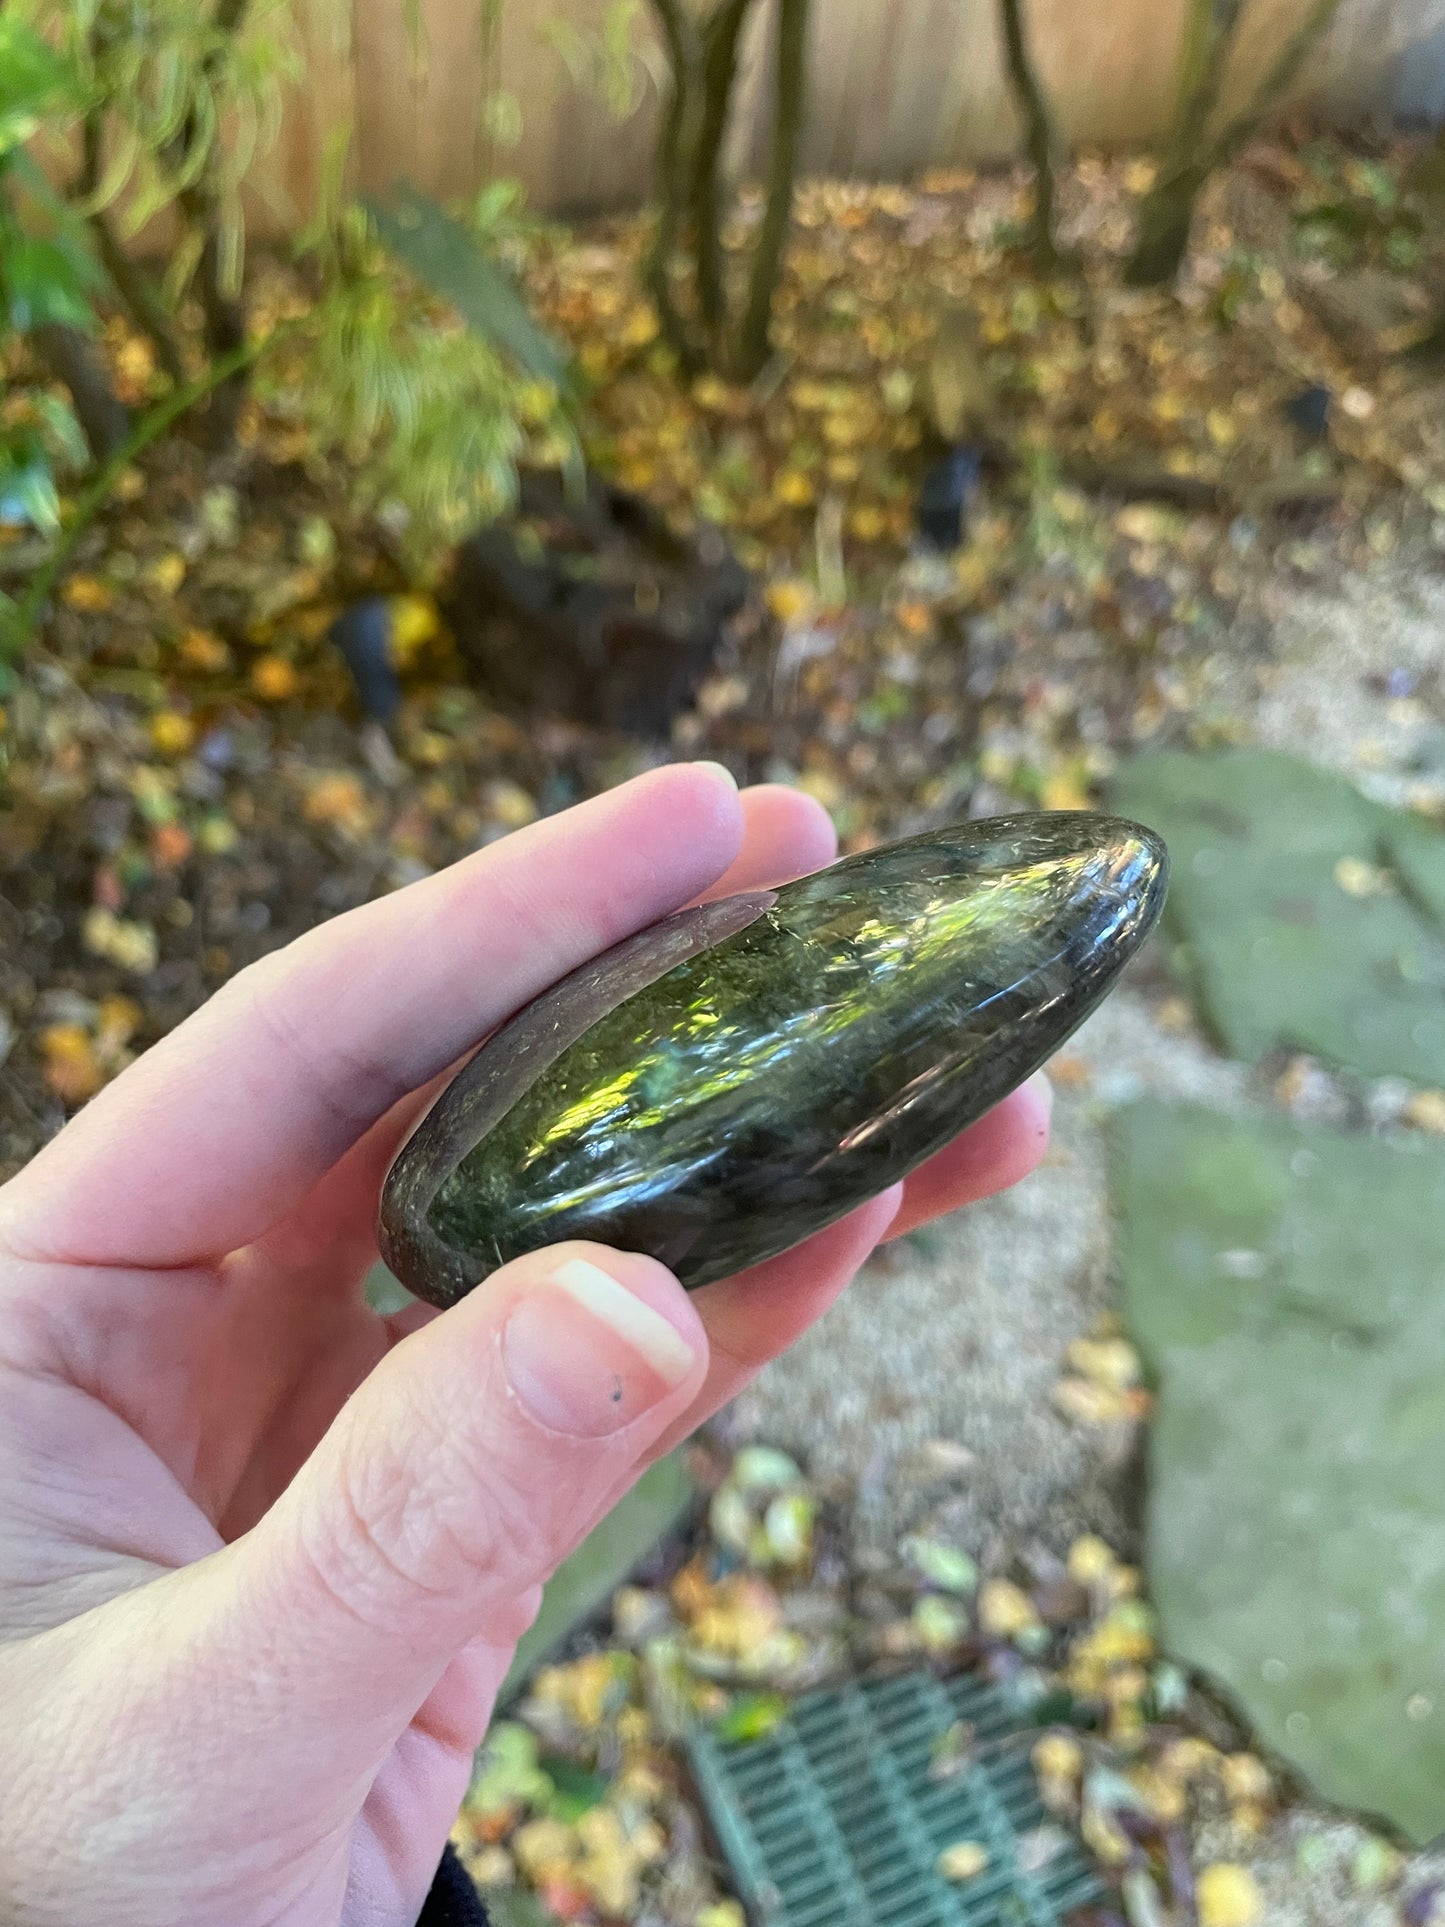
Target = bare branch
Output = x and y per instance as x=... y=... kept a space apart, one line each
x=720 y=35
x=755 y=333
x=1038 y=129
x=134 y=286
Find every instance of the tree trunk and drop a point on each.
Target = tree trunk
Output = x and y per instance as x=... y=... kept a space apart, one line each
x=225 y=323
x=223 y=310
x=1165 y=219
x=1167 y=212
x=1038 y=130
x=755 y=332
x=71 y=358
x=670 y=175
x=720 y=37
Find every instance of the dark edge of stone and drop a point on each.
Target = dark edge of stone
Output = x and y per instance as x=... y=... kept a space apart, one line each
x=481 y=1093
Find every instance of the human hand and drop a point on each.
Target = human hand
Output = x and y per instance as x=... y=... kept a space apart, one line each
x=264 y=1555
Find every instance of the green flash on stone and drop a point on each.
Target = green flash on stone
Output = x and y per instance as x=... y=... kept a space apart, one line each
x=718 y=1088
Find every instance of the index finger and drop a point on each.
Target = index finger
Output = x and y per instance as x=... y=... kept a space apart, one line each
x=219 y=1129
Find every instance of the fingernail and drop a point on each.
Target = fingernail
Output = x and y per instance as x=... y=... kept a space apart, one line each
x=720 y=771
x=586 y=1356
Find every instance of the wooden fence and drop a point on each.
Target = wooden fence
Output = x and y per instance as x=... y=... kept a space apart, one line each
x=897 y=85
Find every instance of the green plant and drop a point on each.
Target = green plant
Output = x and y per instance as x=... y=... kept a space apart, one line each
x=708 y=323
x=431 y=381
x=1202 y=140
x=177 y=100
x=48 y=277
x=39 y=438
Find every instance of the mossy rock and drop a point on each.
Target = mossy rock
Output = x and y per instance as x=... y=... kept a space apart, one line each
x=1286 y=1287
x=1308 y=915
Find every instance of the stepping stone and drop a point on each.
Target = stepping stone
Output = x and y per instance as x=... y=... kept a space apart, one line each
x=1307 y=915
x=1286 y=1288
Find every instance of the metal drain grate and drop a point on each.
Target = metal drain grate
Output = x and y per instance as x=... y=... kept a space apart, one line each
x=832 y=1820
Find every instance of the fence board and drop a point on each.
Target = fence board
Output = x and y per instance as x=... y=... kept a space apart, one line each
x=897 y=85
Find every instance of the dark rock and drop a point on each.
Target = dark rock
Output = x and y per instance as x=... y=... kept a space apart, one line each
x=1309 y=411
x=944 y=498
x=594 y=609
x=719 y=1087
x=362 y=633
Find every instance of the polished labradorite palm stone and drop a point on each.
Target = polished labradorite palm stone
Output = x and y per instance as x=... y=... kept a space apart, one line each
x=719 y=1087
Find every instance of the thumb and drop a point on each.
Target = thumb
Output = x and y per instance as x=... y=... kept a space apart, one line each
x=458 y=1476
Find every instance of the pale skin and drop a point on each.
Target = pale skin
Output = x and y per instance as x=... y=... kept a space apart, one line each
x=264 y=1555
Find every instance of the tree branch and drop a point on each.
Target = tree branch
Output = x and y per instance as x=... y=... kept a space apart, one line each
x=1038 y=129
x=681 y=40
x=755 y=333
x=224 y=312
x=134 y=286
x=71 y=358
x=721 y=32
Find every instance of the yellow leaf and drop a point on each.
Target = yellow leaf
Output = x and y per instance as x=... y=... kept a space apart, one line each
x=1110 y=1362
x=1091 y=1562
x=1227 y=1896
x=1089 y=1404
x=1064 y=791
x=639 y=329
x=1223 y=429
x=723 y=1913
x=1245 y=1777
x=172 y=733
x=72 y=1069
x=965 y=1860
x=167 y=573
x=509 y=804
x=790 y=600
x=203 y=649
x=274 y=679
x=794 y=489
x=1005 y=1610
x=88 y=594
x=414 y=623
x=340 y=801
x=1360 y=879
x=1058 y=1756
x=1426 y=1111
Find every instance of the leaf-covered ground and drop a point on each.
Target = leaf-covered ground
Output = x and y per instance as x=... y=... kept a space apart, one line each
x=186 y=785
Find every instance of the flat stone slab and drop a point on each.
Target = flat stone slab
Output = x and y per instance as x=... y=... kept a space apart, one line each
x=1286 y=1287
x=1308 y=915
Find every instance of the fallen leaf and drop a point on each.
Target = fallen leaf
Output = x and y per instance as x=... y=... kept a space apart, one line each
x=1227 y=1895
x=1005 y=1610
x=1426 y=1111
x=965 y=1860
x=72 y=1068
x=172 y=733
x=88 y=594
x=274 y=679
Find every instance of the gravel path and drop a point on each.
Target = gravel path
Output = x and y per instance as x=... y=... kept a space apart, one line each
x=961 y=1336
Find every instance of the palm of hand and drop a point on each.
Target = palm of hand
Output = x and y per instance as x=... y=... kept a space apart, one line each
x=252 y=1633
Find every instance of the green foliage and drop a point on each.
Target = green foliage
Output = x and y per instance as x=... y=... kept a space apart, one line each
x=32 y=79
x=188 y=102
x=428 y=410
x=604 y=63
x=47 y=274
x=446 y=258
x=47 y=277
x=39 y=438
